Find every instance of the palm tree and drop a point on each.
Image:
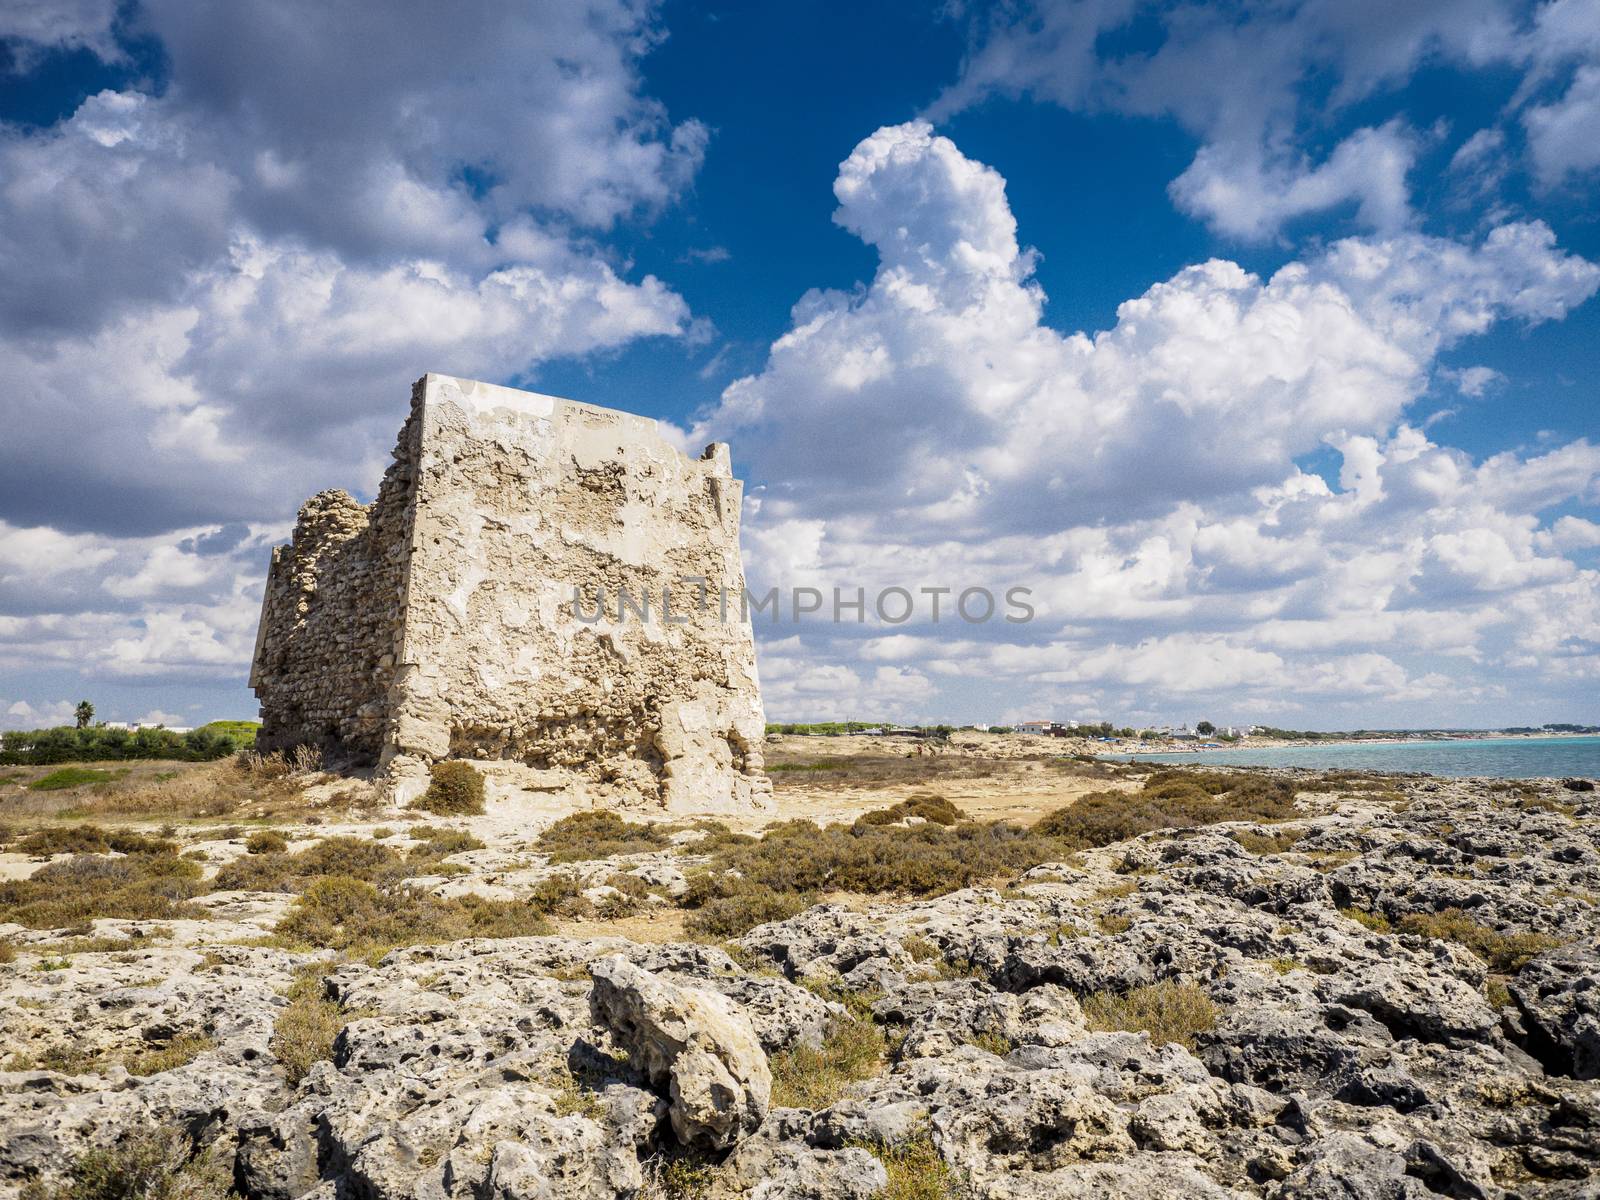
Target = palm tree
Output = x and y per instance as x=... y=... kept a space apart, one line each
x=85 y=714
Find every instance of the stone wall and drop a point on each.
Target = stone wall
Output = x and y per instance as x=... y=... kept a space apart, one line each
x=440 y=621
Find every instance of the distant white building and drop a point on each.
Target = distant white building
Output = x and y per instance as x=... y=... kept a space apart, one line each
x=1041 y=728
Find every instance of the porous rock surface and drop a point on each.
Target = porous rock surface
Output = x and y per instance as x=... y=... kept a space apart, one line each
x=694 y=1043
x=1344 y=1061
x=475 y=609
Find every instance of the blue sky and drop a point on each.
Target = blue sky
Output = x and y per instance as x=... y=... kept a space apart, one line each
x=1258 y=340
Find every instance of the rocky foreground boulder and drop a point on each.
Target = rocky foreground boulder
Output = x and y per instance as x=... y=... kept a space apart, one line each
x=1393 y=993
x=694 y=1044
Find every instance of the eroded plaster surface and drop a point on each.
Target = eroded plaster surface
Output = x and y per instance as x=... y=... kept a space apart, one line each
x=440 y=621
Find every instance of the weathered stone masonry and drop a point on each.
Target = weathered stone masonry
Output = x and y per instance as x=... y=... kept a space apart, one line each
x=439 y=620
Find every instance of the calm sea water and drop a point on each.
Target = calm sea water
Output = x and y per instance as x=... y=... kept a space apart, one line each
x=1508 y=758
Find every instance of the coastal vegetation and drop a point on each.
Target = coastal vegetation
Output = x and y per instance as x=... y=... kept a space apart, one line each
x=104 y=743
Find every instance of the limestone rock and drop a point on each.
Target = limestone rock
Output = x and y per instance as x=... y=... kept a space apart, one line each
x=1559 y=996
x=693 y=1042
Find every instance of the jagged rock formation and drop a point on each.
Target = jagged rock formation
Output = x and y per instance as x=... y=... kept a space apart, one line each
x=1345 y=1052
x=460 y=614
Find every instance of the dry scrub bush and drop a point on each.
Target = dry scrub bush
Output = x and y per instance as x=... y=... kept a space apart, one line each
x=1170 y=800
x=1268 y=843
x=454 y=789
x=727 y=906
x=1506 y=953
x=599 y=834
x=1167 y=1011
x=280 y=872
x=266 y=841
x=923 y=860
x=278 y=764
x=74 y=891
x=437 y=843
x=348 y=914
x=91 y=839
x=923 y=805
x=146 y=1164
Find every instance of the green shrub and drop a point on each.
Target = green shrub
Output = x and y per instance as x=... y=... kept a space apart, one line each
x=455 y=789
x=599 y=834
x=146 y=1164
x=99 y=743
x=266 y=841
x=1167 y=1011
x=71 y=777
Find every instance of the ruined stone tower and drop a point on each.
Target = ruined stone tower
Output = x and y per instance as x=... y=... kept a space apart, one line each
x=440 y=620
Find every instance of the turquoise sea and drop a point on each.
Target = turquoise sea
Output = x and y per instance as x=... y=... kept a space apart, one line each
x=1509 y=758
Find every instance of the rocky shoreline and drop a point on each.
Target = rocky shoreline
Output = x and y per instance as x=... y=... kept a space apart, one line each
x=1392 y=992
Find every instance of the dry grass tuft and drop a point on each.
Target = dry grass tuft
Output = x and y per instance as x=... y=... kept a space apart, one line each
x=1506 y=953
x=1268 y=843
x=305 y=1030
x=1167 y=1011
x=852 y=1049
x=916 y=1171
x=146 y=1164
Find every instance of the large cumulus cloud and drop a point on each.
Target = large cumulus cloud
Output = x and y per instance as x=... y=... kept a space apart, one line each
x=1144 y=480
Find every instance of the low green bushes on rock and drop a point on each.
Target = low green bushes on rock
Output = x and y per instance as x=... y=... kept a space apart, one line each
x=266 y=841
x=796 y=857
x=455 y=789
x=271 y=871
